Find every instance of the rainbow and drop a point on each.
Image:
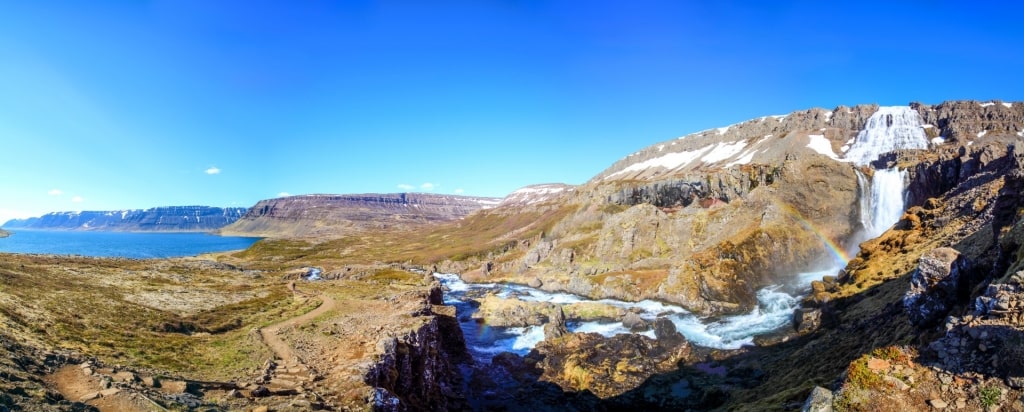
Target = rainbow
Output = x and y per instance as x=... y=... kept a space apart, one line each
x=837 y=252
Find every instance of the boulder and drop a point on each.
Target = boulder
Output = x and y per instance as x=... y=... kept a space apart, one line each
x=666 y=333
x=635 y=323
x=806 y=319
x=606 y=366
x=555 y=327
x=820 y=400
x=934 y=285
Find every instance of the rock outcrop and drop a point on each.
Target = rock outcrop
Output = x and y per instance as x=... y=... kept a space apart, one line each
x=157 y=219
x=417 y=371
x=606 y=366
x=335 y=215
x=935 y=286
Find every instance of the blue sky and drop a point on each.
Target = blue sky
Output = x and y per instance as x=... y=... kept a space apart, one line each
x=133 y=104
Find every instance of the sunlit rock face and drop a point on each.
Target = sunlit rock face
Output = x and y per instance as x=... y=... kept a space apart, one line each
x=709 y=219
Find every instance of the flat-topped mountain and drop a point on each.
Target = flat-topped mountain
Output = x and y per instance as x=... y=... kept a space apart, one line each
x=157 y=219
x=331 y=215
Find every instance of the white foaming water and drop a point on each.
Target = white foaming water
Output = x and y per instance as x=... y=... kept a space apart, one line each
x=886 y=201
x=773 y=311
x=890 y=128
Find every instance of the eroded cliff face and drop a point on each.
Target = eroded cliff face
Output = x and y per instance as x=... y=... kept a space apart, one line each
x=335 y=215
x=157 y=219
x=418 y=371
x=706 y=220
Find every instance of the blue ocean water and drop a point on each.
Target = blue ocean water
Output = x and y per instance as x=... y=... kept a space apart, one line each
x=120 y=244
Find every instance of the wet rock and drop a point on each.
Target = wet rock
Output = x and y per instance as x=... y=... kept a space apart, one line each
x=666 y=333
x=934 y=286
x=556 y=325
x=820 y=400
x=635 y=323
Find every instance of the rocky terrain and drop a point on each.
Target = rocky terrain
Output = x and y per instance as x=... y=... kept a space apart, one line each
x=331 y=215
x=157 y=219
x=925 y=315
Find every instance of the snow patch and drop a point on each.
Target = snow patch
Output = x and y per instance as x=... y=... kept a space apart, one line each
x=938 y=140
x=1007 y=105
x=982 y=133
x=722 y=130
x=987 y=104
x=723 y=151
x=821 y=145
x=744 y=159
x=667 y=161
x=660 y=147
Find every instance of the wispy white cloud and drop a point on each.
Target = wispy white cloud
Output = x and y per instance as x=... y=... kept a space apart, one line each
x=459 y=191
x=405 y=186
x=213 y=171
x=78 y=199
x=428 y=186
x=55 y=192
x=284 y=194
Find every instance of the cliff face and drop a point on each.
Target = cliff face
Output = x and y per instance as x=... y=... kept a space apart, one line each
x=330 y=215
x=707 y=219
x=158 y=219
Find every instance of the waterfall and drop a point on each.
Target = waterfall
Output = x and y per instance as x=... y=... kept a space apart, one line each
x=888 y=129
x=885 y=202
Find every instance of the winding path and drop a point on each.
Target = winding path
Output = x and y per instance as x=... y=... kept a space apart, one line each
x=270 y=333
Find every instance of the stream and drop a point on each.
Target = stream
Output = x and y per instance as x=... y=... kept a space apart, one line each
x=774 y=310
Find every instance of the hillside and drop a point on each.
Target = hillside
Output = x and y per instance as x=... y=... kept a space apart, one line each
x=708 y=219
x=157 y=219
x=332 y=215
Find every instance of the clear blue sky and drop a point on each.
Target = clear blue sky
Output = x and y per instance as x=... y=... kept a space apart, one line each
x=135 y=104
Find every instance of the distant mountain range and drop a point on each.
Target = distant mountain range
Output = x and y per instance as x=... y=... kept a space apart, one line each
x=331 y=215
x=157 y=219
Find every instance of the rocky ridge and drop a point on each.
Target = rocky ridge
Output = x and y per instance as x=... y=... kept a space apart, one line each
x=706 y=220
x=334 y=215
x=157 y=219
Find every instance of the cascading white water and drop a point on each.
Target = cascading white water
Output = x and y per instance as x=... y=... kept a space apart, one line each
x=890 y=128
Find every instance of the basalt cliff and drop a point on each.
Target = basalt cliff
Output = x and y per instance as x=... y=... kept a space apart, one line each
x=331 y=215
x=157 y=219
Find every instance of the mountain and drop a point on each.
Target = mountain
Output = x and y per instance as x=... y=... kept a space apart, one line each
x=157 y=219
x=709 y=219
x=4 y=233
x=332 y=215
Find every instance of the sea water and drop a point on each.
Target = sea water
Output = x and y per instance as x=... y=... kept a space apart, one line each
x=120 y=244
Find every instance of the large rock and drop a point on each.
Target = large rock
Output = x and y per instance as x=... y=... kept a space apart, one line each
x=605 y=366
x=934 y=286
x=806 y=319
x=635 y=323
x=820 y=400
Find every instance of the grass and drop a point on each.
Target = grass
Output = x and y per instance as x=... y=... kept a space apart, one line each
x=79 y=304
x=989 y=396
